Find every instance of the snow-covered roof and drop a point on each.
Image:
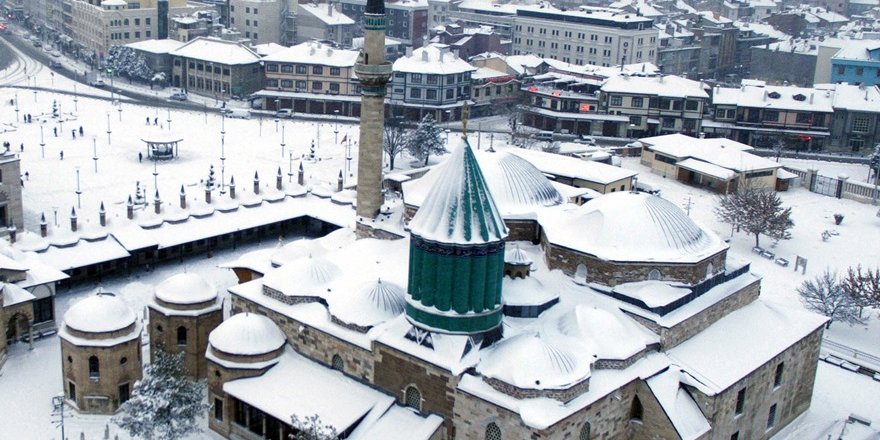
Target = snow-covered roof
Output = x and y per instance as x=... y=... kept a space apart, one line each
x=517 y=186
x=459 y=208
x=522 y=63
x=534 y=361
x=707 y=168
x=529 y=291
x=495 y=8
x=574 y=168
x=331 y=15
x=156 y=46
x=313 y=52
x=629 y=226
x=398 y=424
x=515 y=255
x=669 y=86
x=854 y=98
x=737 y=344
x=13 y=295
x=307 y=276
x=653 y=293
x=485 y=73
x=775 y=98
x=215 y=50
x=722 y=152
x=679 y=406
x=267 y=49
x=186 y=288
x=857 y=50
x=100 y=313
x=247 y=334
x=373 y=303
x=607 y=333
x=432 y=59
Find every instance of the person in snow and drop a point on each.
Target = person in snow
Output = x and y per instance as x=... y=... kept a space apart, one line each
x=80 y=130
x=140 y=156
x=61 y=154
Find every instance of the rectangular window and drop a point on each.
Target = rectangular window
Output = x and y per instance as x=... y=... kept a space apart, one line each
x=450 y=93
x=432 y=79
x=665 y=159
x=272 y=83
x=416 y=78
x=692 y=105
x=149 y=34
x=300 y=85
x=334 y=71
x=771 y=417
x=71 y=391
x=124 y=393
x=668 y=122
x=804 y=118
x=137 y=21
x=432 y=94
x=218 y=409
x=334 y=87
x=43 y=310
x=317 y=85
x=771 y=115
x=740 y=401
x=285 y=68
x=637 y=102
x=286 y=83
x=318 y=70
x=616 y=100
x=860 y=71
x=415 y=93
x=147 y=21
x=302 y=70
x=689 y=125
x=271 y=67
x=860 y=124
x=635 y=120
x=777 y=377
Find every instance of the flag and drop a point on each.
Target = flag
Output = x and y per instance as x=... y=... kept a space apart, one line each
x=344 y=138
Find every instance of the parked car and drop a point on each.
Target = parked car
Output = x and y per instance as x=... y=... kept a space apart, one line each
x=543 y=136
x=37 y=43
x=179 y=96
x=97 y=82
x=284 y=113
x=239 y=113
x=55 y=65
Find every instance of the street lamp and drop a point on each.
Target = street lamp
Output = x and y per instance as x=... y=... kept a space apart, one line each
x=447 y=137
x=222 y=165
x=16 y=107
x=290 y=168
x=75 y=108
x=169 y=119
x=108 y=128
x=336 y=130
x=95 y=153
x=78 y=192
x=42 y=142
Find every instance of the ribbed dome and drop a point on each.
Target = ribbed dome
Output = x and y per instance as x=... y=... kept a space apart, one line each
x=100 y=313
x=517 y=257
x=372 y=304
x=516 y=185
x=611 y=335
x=530 y=361
x=296 y=250
x=628 y=226
x=186 y=288
x=247 y=334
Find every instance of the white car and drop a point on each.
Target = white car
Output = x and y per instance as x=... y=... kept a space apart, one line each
x=97 y=82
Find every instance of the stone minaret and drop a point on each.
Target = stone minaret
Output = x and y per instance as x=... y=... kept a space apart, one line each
x=373 y=72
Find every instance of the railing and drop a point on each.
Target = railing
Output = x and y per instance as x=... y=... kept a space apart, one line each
x=852 y=353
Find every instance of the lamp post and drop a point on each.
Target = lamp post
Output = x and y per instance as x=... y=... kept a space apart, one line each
x=169 y=119
x=75 y=108
x=222 y=164
x=55 y=210
x=447 y=137
x=108 y=128
x=290 y=168
x=282 y=141
x=42 y=142
x=205 y=107
x=155 y=174
x=120 y=111
x=95 y=153
x=78 y=193
x=336 y=130
x=52 y=77
x=16 y=107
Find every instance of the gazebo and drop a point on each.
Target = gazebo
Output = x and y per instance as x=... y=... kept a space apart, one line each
x=162 y=146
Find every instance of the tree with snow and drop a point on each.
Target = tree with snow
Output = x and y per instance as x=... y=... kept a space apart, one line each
x=395 y=139
x=826 y=295
x=128 y=62
x=312 y=428
x=756 y=211
x=165 y=404
x=426 y=140
x=863 y=286
x=875 y=163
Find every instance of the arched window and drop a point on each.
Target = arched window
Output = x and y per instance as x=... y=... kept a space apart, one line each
x=580 y=276
x=654 y=275
x=181 y=335
x=585 y=432
x=493 y=432
x=635 y=410
x=710 y=270
x=94 y=368
x=337 y=363
x=412 y=397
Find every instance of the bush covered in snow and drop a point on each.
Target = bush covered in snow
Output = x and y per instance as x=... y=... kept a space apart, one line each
x=127 y=62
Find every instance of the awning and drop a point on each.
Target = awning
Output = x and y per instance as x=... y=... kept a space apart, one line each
x=706 y=168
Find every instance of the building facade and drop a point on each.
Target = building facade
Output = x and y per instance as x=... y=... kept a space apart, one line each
x=215 y=67
x=432 y=80
x=324 y=22
x=858 y=62
x=263 y=21
x=407 y=19
x=654 y=105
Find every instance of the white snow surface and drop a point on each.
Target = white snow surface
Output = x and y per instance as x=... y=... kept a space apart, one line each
x=607 y=333
x=14 y=294
x=668 y=86
x=373 y=303
x=217 y=51
x=721 y=152
x=435 y=59
x=534 y=361
x=652 y=293
x=99 y=313
x=572 y=167
x=313 y=52
x=186 y=288
x=759 y=97
x=247 y=334
x=156 y=46
x=679 y=406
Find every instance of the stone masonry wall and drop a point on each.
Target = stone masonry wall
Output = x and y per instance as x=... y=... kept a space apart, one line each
x=314 y=343
x=113 y=372
x=792 y=397
x=197 y=330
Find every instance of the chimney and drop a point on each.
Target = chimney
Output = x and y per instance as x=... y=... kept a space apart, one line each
x=129 y=208
x=73 y=219
x=330 y=8
x=208 y=195
x=425 y=55
x=765 y=94
x=278 y=179
x=256 y=182
x=44 y=227
x=232 y=187
x=301 y=175
x=339 y=182
x=182 y=198
x=102 y=215
x=157 y=203
x=11 y=229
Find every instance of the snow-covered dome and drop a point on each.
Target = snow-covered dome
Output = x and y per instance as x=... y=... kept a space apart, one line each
x=630 y=226
x=516 y=185
x=308 y=276
x=516 y=257
x=529 y=291
x=531 y=361
x=296 y=250
x=608 y=334
x=247 y=334
x=186 y=288
x=100 y=313
x=374 y=303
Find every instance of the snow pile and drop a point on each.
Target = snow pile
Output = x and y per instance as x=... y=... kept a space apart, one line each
x=529 y=291
x=247 y=334
x=100 y=313
x=652 y=293
x=308 y=276
x=186 y=288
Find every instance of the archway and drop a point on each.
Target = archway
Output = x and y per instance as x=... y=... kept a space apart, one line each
x=17 y=329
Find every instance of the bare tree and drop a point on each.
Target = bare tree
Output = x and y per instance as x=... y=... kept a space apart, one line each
x=826 y=295
x=755 y=211
x=312 y=428
x=863 y=286
x=394 y=141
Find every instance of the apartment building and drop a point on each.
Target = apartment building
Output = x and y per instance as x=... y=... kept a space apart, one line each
x=656 y=105
x=215 y=67
x=405 y=20
x=596 y=36
x=324 y=22
x=431 y=80
x=263 y=21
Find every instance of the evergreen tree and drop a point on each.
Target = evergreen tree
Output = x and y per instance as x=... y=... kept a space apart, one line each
x=311 y=428
x=165 y=404
x=875 y=163
x=757 y=212
x=826 y=295
x=425 y=140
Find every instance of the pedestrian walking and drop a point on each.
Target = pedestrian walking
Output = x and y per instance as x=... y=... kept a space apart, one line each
x=27 y=175
x=148 y=120
x=140 y=157
x=61 y=154
x=156 y=121
x=80 y=130
x=22 y=147
x=55 y=130
x=73 y=132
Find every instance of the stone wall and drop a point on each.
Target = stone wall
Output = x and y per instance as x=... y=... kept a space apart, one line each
x=562 y=395
x=314 y=343
x=197 y=330
x=612 y=273
x=792 y=397
x=217 y=376
x=113 y=373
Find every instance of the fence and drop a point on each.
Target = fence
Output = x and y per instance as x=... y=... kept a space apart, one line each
x=840 y=187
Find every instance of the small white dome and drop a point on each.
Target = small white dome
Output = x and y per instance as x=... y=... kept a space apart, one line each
x=100 y=313
x=296 y=250
x=530 y=361
x=517 y=257
x=186 y=288
x=612 y=335
x=247 y=334
x=372 y=304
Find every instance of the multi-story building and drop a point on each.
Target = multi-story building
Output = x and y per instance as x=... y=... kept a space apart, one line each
x=430 y=81
x=311 y=77
x=438 y=13
x=323 y=22
x=216 y=67
x=96 y=25
x=407 y=20
x=656 y=105
x=591 y=36
x=703 y=45
x=157 y=54
x=467 y=42
x=45 y=16
x=475 y=13
x=855 y=127
x=263 y=21
x=857 y=62
x=185 y=28
x=491 y=90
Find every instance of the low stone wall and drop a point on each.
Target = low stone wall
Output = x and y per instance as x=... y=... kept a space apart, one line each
x=564 y=395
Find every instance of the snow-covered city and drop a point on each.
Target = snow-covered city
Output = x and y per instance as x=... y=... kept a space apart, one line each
x=439 y=219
